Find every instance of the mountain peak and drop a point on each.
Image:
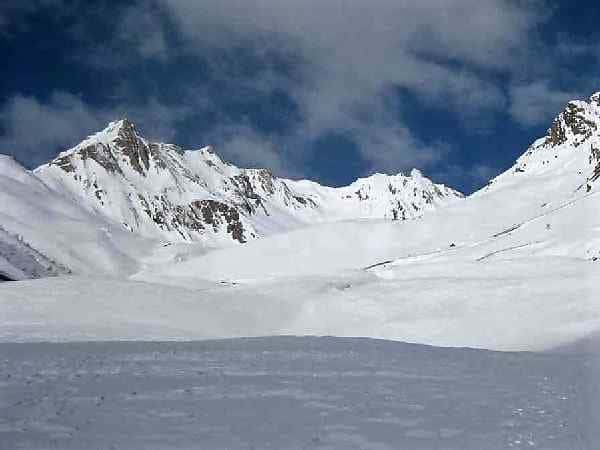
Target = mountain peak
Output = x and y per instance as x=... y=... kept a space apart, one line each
x=155 y=188
x=416 y=173
x=118 y=142
x=123 y=128
x=121 y=123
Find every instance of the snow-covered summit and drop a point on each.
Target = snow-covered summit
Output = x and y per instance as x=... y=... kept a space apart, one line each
x=159 y=189
x=571 y=148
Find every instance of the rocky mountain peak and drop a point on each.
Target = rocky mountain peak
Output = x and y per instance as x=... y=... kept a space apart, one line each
x=132 y=146
x=117 y=148
x=159 y=189
x=121 y=127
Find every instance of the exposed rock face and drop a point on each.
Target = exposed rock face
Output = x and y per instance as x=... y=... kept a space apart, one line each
x=219 y=214
x=130 y=145
x=573 y=123
x=160 y=190
x=144 y=186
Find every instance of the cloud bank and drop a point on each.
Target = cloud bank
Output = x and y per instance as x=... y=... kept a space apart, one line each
x=347 y=67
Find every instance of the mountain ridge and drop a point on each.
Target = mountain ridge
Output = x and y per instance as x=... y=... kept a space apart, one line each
x=106 y=204
x=162 y=189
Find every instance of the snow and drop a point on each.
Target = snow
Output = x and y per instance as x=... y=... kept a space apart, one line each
x=377 y=196
x=507 y=305
x=61 y=229
x=292 y=393
x=20 y=261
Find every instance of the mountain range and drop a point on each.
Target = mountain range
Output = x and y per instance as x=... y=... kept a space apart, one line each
x=160 y=191
x=186 y=245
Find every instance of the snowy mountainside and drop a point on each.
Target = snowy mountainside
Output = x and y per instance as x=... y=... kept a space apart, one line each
x=570 y=149
x=144 y=187
x=18 y=260
x=44 y=232
x=513 y=266
x=546 y=204
x=379 y=196
x=160 y=190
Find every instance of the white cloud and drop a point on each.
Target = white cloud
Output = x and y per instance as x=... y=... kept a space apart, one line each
x=36 y=130
x=242 y=144
x=396 y=147
x=353 y=52
x=537 y=102
x=32 y=127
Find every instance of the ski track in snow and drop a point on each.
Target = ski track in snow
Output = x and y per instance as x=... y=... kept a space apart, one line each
x=291 y=393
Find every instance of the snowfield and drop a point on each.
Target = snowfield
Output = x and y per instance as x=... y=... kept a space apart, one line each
x=502 y=305
x=294 y=393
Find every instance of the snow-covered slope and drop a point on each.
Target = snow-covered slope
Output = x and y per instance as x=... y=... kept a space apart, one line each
x=18 y=260
x=521 y=304
x=570 y=150
x=161 y=190
x=45 y=233
x=379 y=196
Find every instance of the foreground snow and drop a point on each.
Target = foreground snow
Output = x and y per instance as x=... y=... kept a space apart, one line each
x=293 y=393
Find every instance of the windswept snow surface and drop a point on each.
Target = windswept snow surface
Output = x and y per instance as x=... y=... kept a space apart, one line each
x=506 y=305
x=294 y=393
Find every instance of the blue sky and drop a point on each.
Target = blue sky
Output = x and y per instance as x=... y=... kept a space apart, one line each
x=324 y=89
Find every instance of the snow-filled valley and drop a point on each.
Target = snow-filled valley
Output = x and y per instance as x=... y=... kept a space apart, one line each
x=121 y=239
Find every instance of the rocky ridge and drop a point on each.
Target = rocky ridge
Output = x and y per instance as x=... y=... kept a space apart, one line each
x=159 y=189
